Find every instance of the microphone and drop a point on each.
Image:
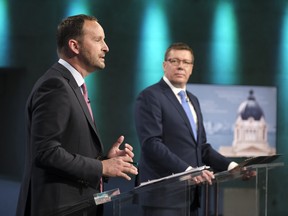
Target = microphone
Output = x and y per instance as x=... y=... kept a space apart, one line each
x=187 y=99
x=88 y=100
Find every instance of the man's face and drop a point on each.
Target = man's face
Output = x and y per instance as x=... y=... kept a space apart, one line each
x=92 y=46
x=178 y=67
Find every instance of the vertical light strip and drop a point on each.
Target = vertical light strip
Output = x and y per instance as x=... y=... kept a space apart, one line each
x=4 y=34
x=283 y=60
x=224 y=55
x=153 y=43
x=282 y=76
x=77 y=7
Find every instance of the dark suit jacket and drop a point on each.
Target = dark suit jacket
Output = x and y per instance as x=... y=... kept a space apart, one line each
x=61 y=167
x=166 y=137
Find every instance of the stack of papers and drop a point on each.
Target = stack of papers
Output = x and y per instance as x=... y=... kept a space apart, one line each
x=198 y=169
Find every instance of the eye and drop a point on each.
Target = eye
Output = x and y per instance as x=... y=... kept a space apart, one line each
x=98 y=39
x=187 y=62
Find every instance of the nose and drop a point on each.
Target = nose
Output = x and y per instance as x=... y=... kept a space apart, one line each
x=181 y=65
x=105 y=47
x=181 y=62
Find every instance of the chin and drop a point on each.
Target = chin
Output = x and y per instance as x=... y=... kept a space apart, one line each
x=100 y=66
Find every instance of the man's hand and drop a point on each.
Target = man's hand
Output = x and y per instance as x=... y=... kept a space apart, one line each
x=119 y=167
x=247 y=174
x=115 y=151
x=206 y=175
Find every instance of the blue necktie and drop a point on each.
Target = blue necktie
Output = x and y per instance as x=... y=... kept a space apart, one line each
x=186 y=107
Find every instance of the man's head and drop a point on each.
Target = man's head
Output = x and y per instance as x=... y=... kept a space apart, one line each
x=178 y=64
x=80 y=41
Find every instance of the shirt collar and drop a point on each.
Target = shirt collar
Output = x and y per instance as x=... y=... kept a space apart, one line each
x=173 y=88
x=77 y=76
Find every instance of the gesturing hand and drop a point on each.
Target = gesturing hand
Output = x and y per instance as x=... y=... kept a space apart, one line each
x=119 y=167
x=115 y=151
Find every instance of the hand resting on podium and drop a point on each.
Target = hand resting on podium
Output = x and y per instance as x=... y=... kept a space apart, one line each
x=206 y=176
x=246 y=172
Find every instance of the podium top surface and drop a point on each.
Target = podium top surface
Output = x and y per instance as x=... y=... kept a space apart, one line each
x=182 y=181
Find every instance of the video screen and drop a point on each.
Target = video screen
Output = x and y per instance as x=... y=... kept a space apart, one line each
x=240 y=121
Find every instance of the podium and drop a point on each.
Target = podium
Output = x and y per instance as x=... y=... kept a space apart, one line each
x=230 y=194
x=168 y=193
x=174 y=193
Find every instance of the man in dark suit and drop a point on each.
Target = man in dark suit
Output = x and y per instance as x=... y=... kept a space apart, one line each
x=64 y=159
x=168 y=144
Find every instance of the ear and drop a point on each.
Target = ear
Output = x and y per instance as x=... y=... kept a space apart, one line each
x=164 y=65
x=191 y=69
x=74 y=46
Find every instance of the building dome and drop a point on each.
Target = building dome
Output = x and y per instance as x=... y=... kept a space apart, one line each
x=250 y=108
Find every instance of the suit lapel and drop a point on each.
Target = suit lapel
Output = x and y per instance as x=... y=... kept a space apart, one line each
x=73 y=84
x=197 y=111
x=196 y=107
x=172 y=98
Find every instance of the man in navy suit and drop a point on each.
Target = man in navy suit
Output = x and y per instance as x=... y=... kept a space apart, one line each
x=65 y=164
x=168 y=144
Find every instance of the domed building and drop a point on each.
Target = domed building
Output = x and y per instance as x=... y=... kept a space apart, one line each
x=250 y=132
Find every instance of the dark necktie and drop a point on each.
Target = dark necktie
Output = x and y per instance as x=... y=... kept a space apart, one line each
x=185 y=105
x=85 y=94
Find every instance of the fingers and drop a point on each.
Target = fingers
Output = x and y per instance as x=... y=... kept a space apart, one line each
x=206 y=175
x=118 y=142
x=129 y=150
x=248 y=174
x=128 y=147
x=129 y=169
x=119 y=167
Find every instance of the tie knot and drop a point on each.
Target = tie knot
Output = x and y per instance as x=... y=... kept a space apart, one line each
x=182 y=94
x=84 y=88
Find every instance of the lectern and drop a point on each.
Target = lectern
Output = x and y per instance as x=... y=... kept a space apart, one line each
x=173 y=192
x=233 y=194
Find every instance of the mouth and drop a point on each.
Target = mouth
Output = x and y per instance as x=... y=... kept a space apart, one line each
x=180 y=74
x=102 y=58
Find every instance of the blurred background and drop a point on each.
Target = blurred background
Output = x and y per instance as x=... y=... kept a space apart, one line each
x=235 y=42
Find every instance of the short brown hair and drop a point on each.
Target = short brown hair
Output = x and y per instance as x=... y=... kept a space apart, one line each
x=178 y=46
x=71 y=27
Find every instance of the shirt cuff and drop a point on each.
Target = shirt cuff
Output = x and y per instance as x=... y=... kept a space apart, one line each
x=232 y=165
x=189 y=168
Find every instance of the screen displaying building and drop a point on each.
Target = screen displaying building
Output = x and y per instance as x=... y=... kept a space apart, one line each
x=240 y=121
